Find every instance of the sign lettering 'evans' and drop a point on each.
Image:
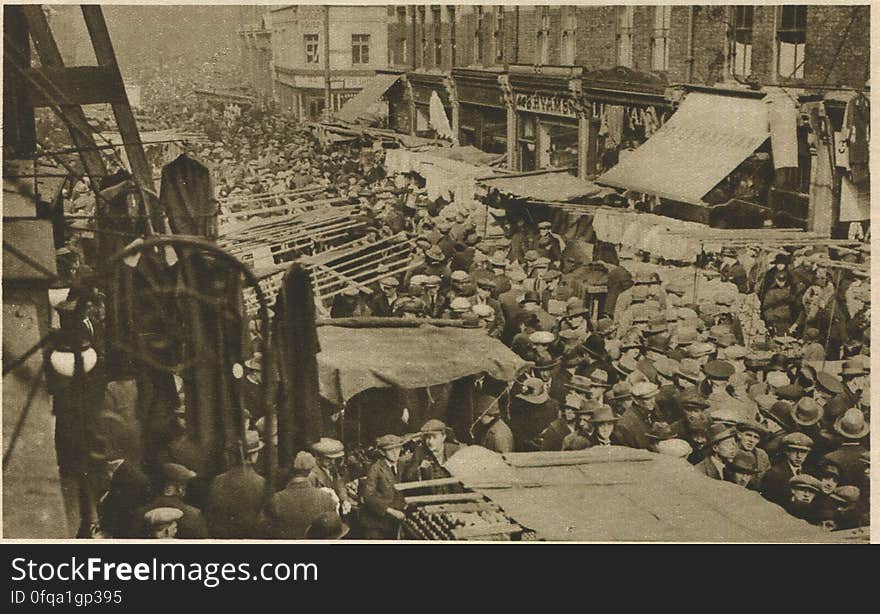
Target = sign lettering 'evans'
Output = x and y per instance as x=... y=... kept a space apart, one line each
x=543 y=103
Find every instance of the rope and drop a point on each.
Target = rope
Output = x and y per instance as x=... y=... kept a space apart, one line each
x=19 y=425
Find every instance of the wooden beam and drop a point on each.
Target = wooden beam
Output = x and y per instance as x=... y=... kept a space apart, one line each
x=77 y=85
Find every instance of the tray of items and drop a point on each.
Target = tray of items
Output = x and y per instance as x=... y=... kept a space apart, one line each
x=460 y=517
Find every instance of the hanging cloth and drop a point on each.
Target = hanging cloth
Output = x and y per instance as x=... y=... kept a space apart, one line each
x=437 y=117
x=187 y=198
x=783 y=114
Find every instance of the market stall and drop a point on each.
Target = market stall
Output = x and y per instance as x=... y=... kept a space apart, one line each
x=623 y=494
x=428 y=370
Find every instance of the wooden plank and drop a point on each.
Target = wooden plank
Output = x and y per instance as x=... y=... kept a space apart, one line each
x=404 y=486
x=486 y=530
x=459 y=496
x=78 y=85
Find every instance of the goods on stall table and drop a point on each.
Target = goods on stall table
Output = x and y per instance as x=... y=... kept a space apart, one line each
x=478 y=520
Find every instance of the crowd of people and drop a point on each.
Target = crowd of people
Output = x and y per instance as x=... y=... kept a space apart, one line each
x=620 y=352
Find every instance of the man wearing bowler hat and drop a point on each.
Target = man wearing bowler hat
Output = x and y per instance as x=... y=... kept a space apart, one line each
x=382 y=511
x=853 y=428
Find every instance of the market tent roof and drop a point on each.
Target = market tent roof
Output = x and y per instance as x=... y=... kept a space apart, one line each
x=703 y=142
x=623 y=494
x=465 y=153
x=558 y=186
x=360 y=105
x=352 y=360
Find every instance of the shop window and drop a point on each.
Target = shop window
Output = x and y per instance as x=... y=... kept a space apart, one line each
x=360 y=48
x=743 y=28
x=316 y=108
x=544 y=37
x=791 y=39
x=498 y=34
x=478 y=35
x=569 y=32
x=660 y=51
x=313 y=54
x=625 y=36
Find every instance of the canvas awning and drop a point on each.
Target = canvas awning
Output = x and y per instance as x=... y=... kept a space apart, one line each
x=703 y=142
x=361 y=104
x=623 y=494
x=551 y=186
x=352 y=360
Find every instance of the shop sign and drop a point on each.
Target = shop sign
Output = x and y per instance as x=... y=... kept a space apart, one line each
x=547 y=104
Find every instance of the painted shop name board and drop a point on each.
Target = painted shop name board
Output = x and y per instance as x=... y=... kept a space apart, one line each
x=549 y=104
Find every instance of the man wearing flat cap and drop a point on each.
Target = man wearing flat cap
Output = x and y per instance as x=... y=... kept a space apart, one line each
x=722 y=448
x=291 y=510
x=174 y=480
x=795 y=448
x=802 y=499
x=637 y=420
x=428 y=460
x=382 y=512
x=329 y=471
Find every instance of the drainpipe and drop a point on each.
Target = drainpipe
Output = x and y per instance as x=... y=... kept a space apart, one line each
x=414 y=62
x=516 y=38
x=690 y=43
x=328 y=100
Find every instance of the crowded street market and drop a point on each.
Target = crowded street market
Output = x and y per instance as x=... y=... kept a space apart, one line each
x=324 y=330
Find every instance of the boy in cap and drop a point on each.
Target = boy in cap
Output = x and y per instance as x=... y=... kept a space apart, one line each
x=795 y=447
x=161 y=522
x=802 y=502
x=174 y=480
x=382 y=511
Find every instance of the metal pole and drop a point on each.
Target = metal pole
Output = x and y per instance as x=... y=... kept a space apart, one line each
x=327 y=99
x=831 y=318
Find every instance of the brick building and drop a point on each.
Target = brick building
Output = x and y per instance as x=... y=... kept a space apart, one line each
x=357 y=45
x=580 y=86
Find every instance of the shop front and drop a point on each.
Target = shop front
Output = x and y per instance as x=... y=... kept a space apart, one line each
x=549 y=124
x=626 y=108
x=426 y=122
x=482 y=110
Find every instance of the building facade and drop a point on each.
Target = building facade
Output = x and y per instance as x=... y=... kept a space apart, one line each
x=255 y=49
x=579 y=87
x=357 y=48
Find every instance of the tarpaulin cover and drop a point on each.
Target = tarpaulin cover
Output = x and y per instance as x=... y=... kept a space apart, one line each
x=703 y=142
x=374 y=89
x=621 y=494
x=549 y=186
x=356 y=359
x=187 y=197
x=464 y=153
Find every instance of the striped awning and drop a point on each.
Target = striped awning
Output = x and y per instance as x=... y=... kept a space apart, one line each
x=703 y=142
